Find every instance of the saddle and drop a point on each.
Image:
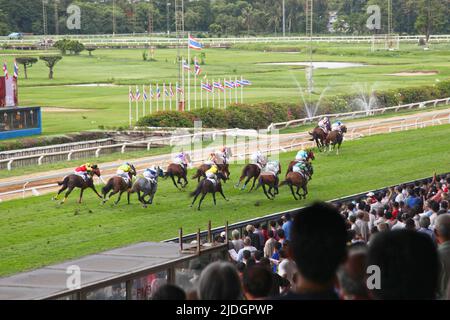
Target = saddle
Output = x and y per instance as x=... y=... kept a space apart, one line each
x=269 y=173
x=127 y=180
x=213 y=181
x=82 y=175
x=151 y=180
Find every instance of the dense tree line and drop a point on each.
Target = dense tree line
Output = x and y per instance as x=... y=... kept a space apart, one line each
x=225 y=17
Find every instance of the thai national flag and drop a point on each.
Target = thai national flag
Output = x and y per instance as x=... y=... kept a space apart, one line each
x=207 y=87
x=145 y=95
x=237 y=84
x=152 y=94
x=158 y=93
x=246 y=83
x=171 y=91
x=194 y=44
x=179 y=89
x=186 y=65
x=219 y=86
x=131 y=95
x=138 y=95
x=198 y=70
x=229 y=84
x=5 y=70
x=166 y=91
x=16 y=70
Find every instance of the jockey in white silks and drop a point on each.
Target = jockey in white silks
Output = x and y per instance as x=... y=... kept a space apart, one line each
x=258 y=159
x=272 y=167
x=225 y=154
x=325 y=124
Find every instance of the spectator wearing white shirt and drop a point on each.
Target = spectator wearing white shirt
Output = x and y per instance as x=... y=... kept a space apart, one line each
x=270 y=245
x=247 y=247
x=287 y=267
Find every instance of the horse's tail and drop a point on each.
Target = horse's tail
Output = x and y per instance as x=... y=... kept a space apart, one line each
x=108 y=187
x=260 y=183
x=197 y=175
x=64 y=182
x=197 y=190
x=313 y=135
x=285 y=182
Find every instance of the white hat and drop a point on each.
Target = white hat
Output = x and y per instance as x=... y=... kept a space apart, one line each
x=370 y=194
x=223 y=234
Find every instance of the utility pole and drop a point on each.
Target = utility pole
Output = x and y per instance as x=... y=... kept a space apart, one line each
x=56 y=3
x=309 y=11
x=44 y=17
x=284 y=18
x=168 y=18
x=179 y=27
x=114 y=18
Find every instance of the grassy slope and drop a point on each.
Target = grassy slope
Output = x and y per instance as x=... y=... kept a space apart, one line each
x=109 y=105
x=37 y=232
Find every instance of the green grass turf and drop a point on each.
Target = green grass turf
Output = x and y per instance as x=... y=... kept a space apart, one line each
x=37 y=232
x=108 y=106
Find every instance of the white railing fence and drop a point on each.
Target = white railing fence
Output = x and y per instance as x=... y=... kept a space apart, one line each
x=359 y=114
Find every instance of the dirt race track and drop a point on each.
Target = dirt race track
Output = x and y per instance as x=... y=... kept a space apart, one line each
x=45 y=182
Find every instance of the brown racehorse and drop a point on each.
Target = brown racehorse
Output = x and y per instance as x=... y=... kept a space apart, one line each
x=319 y=136
x=176 y=170
x=270 y=180
x=335 y=138
x=119 y=185
x=251 y=171
x=311 y=157
x=75 y=181
x=201 y=171
x=297 y=180
x=205 y=187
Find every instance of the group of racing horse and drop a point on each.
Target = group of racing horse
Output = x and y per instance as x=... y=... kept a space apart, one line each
x=209 y=175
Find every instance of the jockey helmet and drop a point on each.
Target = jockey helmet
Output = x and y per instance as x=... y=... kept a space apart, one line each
x=94 y=166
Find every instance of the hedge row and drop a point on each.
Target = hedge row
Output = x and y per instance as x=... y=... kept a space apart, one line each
x=259 y=116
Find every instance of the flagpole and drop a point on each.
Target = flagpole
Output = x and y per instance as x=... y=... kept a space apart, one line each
x=151 y=98
x=130 y=107
x=218 y=97
x=164 y=96
x=213 y=95
x=137 y=105
x=171 y=90
x=183 y=86
x=157 y=98
x=242 y=91
x=144 y=102
x=189 y=74
x=224 y=93
x=176 y=96
x=236 y=90
x=201 y=94
x=195 y=91
x=231 y=89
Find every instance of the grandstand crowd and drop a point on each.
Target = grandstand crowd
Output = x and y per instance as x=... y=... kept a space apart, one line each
x=330 y=252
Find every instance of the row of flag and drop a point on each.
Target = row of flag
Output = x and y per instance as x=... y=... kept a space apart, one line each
x=16 y=70
x=168 y=91
x=225 y=85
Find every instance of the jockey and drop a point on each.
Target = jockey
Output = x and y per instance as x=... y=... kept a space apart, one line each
x=151 y=174
x=181 y=159
x=212 y=173
x=325 y=124
x=300 y=167
x=224 y=153
x=302 y=155
x=337 y=126
x=259 y=159
x=272 y=167
x=212 y=159
x=124 y=170
x=85 y=170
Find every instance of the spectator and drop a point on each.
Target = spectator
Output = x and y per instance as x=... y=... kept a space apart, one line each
x=279 y=284
x=287 y=226
x=442 y=233
x=413 y=200
x=425 y=227
x=250 y=262
x=363 y=226
x=219 y=281
x=380 y=217
x=410 y=224
x=257 y=283
x=444 y=206
x=257 y=255
x=265 y=232
x=276 y=256
x=281 y=236
x=240 y=266
x=399 y=197
x=253 y=237
x=247 y=247
x=273 y=228
x=353 y=274
x=269 y=246
x=377 y=205
x=395 y=210
x=319 y=246
x=246 y=256
x=408 y=263
x=287 y=267
x=238 y=243
x=258 y=231
x=169 y=292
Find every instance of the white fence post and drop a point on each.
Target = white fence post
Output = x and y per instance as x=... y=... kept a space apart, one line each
x=40 y=160
x=10 y=164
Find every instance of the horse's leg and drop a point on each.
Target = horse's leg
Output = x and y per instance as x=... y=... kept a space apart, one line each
x=214 y=198
x=174 y=182
x=96 y=192
x=128 y=196
x=120 y=197
x=67 y=194
x=293 y=192
x=305 y=191
x=60 y=191
x=246 y=183
x=254 y=183
x=81 y=196
x=201 y=200
x=265 y=191
x=298 y=192
x=186 y=182
x=222 y=194
x=195 y=198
